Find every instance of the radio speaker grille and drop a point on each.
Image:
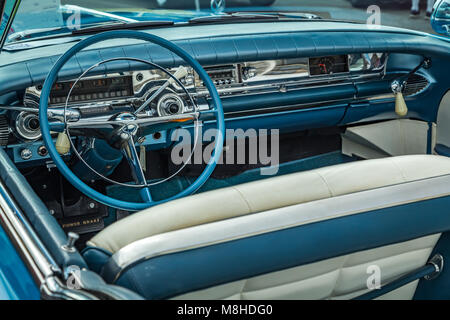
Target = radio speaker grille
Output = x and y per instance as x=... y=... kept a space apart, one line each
x=4 y=130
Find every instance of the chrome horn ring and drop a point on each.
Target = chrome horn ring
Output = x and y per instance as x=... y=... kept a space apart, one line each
x=79 y=156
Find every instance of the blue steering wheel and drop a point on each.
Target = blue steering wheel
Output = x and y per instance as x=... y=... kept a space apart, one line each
x=125 y=122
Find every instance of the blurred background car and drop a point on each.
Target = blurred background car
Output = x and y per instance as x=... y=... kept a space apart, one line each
x=366 y=3
x=172 y=3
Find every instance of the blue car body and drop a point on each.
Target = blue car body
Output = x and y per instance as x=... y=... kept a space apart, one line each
x=17 y=281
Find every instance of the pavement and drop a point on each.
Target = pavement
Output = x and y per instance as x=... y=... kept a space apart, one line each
x=390 y=15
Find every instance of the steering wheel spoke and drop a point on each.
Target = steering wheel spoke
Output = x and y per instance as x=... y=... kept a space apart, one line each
x=130 y=154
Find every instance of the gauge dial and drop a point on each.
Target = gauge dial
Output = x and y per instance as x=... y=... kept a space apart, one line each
x=328 y=65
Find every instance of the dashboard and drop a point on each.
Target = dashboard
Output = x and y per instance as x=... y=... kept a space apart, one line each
x=292 y=81
x=231 y=80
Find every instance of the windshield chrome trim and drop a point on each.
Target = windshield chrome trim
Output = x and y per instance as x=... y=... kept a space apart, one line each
x=9 y=23
x=101 y=13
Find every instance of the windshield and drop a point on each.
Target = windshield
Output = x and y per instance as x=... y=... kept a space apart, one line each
x=37 y=18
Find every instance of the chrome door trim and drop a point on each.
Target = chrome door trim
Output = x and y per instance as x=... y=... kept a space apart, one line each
x=43 y=268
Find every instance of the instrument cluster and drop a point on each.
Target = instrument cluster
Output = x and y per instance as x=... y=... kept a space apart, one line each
x=92 y=89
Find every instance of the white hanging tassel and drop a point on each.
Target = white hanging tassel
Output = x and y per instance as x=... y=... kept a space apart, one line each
x=400 y=105
x=62 y=143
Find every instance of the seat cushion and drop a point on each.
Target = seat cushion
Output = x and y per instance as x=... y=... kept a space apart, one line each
x=267 y=194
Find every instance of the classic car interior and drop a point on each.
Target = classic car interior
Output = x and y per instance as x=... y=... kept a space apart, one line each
x=358 y=116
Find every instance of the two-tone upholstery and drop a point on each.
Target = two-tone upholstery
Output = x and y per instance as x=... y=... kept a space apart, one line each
x=342 y=277
x=303 y=235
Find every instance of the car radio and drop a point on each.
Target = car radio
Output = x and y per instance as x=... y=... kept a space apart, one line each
x=223 y=75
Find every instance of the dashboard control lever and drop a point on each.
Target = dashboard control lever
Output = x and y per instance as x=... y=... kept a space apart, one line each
x=400 y=105
x=181 y=72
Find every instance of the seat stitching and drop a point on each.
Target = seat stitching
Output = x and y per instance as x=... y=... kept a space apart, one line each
x=326 y=184
x=241 y=293
x=243 y=198
x=399 y=169
x=338 y=277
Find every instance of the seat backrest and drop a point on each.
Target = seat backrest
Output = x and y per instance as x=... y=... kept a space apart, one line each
x=316 y=250
x=268 y=194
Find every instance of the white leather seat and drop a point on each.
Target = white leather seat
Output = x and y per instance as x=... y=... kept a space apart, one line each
x=271 y=193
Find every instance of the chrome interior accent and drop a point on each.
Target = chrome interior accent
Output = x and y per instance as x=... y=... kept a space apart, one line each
x=72 y=237
x=27 y=126
x=263 y=76
x=438 y=262
x=170 y=104
x=269 y=70
x=367 y=62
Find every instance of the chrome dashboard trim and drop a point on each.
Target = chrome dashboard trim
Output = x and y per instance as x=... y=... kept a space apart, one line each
x=142 y=79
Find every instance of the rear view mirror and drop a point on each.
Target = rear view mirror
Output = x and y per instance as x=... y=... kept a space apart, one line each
x=440 y=20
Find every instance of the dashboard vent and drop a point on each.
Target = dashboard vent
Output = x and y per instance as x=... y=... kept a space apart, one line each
x=415 y=84
x=4 y=130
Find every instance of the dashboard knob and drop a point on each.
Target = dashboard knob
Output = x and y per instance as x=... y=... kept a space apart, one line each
x=33 y=124
x=26 y=154
x=170 y=104
x=72 y=237
x=173 y=108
